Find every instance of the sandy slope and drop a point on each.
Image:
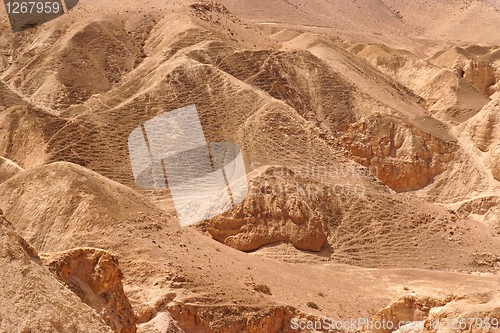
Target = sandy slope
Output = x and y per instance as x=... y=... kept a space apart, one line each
x=8 y=169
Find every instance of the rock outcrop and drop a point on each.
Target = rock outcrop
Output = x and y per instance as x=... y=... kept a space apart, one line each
x=95 y=277
x=472 y=313
x=216 y=319
x=484 y=128
x=277 y=208
x=418 y=314
x=161 y=323
x=8 y=169
x=476 y=64
x=402 y=156
x=495 y=162
x=31 y=298
x=404 y=312
x=484 y=209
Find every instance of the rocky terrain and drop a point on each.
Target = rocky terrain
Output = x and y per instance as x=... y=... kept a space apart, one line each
x=370 y=132
x=32 y=298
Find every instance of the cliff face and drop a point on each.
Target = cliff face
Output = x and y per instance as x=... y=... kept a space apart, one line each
x=278 y=209
x=31 y=298
x=94 y=276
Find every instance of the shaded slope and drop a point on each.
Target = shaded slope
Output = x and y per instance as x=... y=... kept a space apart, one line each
x=26 y=134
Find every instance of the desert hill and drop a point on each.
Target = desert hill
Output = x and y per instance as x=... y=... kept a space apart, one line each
x=449 y=96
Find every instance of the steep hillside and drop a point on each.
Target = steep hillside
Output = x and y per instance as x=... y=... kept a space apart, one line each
x=449 y=95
